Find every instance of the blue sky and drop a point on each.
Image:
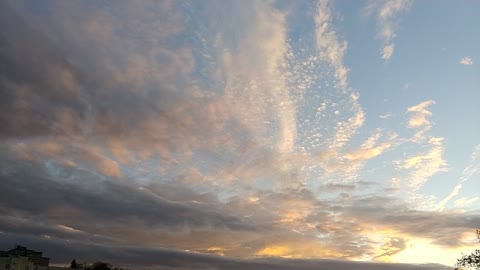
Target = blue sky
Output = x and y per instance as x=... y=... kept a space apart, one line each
x=250 y=130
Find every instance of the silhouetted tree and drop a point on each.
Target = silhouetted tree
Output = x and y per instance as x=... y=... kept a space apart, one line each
x=471 y=261
x=100 y=266
x=73 y=264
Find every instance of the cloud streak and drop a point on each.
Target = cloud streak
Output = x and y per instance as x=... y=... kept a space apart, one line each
x=387 y=13
x=465 y=61
x=421 y=167
x=472 y=168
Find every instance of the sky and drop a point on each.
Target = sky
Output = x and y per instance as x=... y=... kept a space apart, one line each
x=241 y=134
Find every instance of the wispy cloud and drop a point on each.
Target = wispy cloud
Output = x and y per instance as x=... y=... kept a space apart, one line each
x=465 y=61
x=463 y=202
x=419 y=114
x=387 y=13
x=472 y=169
x=385 y=116
x=388 y=51
x=328 y=42
x=371 y=148
x=333 y=49
x=421 y=167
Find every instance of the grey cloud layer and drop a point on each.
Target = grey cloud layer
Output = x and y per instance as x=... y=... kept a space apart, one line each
x=144 y=258
x=106 y=211
x=51 y=89
x=94 y=199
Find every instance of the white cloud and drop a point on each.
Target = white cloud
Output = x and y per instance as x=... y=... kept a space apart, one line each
x=474 y=165
x=332 y=49
x=328 y=43
x=388 y=51
x=462 y=202
x=68 y=228
x=452 y=194
x=385 y=116
x=371 y=148
x=386 y=13
x=465 y=61
x=423 y=166
x=420 y=167
x=420 y=114
x=255 y=84
x=367 y=153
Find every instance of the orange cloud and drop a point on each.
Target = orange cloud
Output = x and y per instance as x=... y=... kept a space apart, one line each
x=367 y=153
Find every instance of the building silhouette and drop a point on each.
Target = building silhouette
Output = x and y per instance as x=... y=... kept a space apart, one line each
x=22 y=258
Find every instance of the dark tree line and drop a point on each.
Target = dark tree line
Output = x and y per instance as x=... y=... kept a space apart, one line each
x=95 y=266
x=471 y=261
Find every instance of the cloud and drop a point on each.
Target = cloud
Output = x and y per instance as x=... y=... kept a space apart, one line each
x=388 y=51
x=332 y=48
x=328 y=42
x=369 y=153
x=385 y=116
x=103 y=201
x=251 y=69
x=415 y=169
x=40 y=105
x=158 y=258
x=465 y=61
x=159 y=125
x=360 y=213
x=462 y=202
x=423 y=166
x=442 y=228
x=472 y=168
x=452 y=194
x=179 y=217
x=387 y=13
x=351 y=161
x=419 y=114
x=83 y=110
x=390 y=248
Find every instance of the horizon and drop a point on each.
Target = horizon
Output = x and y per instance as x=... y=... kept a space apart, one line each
x=216 y=134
